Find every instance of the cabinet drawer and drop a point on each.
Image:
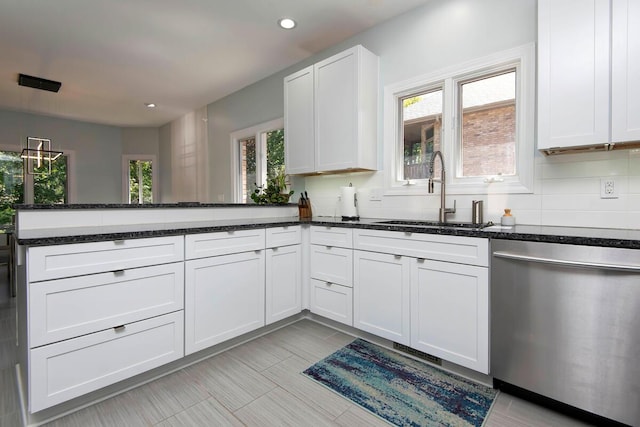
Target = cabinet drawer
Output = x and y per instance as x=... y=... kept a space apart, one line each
x=331 y=264
x=332 y=301
x=224 y=242
x=332 y=236
x=66 y=308
x=54 y=262
x=458 y=249
x=283 y=236
x=68 y=369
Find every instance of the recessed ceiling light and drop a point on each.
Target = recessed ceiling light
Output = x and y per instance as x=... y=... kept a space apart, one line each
x=287 y=23
x=150 y=105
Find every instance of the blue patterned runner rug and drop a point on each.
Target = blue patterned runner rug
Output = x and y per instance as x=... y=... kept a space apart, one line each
x=401 y=390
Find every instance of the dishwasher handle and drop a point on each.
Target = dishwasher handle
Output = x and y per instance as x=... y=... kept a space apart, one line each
x=567 y=263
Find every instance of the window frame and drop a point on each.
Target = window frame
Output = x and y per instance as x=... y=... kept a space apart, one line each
x=126 y=159
x=261 y=155
x=522 y=59
x=71 y=187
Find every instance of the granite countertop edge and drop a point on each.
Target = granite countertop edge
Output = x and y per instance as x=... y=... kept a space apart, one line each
x=80 y=206
x=629 y=239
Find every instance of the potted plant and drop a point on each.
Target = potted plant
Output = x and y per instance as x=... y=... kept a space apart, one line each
x=275 y=191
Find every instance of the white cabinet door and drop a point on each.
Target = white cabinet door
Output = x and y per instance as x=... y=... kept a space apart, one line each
x=76 y=259
x=67 y=369
x=224 y=298
x=381 y=303
x=332 y=301
x=334 y=265
x=298 y=122
x=66 y=308
x=450 y=312
x=223 y=243
x=573 y=73
x=625 y=71
x=283 y=282
x=346 y=87
x=336 y=109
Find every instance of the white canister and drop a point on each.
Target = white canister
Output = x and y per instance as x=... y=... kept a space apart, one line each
x=348 y=203
x=507 y=219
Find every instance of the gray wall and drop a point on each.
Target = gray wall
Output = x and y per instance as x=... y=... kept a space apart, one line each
x=141 y=141
x=439 y=34
x=97 y=151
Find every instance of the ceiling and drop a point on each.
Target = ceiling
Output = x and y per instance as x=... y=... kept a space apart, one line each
x=112 y=57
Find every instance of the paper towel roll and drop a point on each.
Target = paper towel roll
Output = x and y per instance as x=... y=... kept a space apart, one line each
x=348 y=202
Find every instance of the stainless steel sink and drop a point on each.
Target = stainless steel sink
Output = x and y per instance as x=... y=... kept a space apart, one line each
x=436 y=224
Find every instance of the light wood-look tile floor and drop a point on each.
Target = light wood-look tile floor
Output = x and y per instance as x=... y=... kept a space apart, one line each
x=256 y=384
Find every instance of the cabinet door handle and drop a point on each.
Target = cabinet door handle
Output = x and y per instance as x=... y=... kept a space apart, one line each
x=329 y=284
x=397 y=256
x=118 y=272
x=329 y=247
x=119 y=328
x=421 y=259
x=275 y=249
x=119 y=242
x=408 y=233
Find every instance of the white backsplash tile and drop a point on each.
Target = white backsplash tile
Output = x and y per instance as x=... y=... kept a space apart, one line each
x=566 y=193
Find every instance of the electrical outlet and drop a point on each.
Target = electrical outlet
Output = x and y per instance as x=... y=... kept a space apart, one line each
x=608 y=188
x=375 y=195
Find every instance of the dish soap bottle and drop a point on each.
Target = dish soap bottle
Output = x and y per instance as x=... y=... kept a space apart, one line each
x=508 y=220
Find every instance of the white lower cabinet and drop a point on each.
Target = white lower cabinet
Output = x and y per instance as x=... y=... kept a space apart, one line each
x=450 y=312
x=66 y=308
x=71 y=368
x=381 y=295
x=332 y=301
x=224 y=298
x=283 y=290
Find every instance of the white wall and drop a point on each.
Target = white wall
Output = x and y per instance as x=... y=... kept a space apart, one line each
x=184 y=159
x=96 y=150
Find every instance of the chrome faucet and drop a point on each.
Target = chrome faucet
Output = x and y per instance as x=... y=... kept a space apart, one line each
x=442 y=217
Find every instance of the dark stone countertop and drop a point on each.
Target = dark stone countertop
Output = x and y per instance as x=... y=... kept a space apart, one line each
x=565 y=235
x=78 y=206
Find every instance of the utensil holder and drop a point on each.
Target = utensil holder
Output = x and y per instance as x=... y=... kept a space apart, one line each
x=305 y=210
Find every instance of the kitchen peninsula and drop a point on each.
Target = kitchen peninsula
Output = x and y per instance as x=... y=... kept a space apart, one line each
x=111 y=296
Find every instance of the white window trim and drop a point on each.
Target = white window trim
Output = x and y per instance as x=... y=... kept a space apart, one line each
x=126 y=158
x=522 y=58
x=240 y=135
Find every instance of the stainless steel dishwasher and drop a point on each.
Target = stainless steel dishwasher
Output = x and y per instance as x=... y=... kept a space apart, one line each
x=565 y=324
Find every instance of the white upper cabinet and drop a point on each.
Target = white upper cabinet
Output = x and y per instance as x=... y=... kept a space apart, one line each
x=625 y=71
x=298 y=122
x=585 y=48
x=573 y=73
x=331 y=114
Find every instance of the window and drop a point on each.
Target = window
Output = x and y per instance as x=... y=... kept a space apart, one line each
x=479 y=114
x=139 y=179
x=40 y=188
x=258 y=153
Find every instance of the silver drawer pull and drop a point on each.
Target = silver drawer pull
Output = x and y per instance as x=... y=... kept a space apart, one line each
x=421 y=259
x=119 y=328
x=329 y=247
x=118 y=272
x=329 y=284
x=119 y=242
